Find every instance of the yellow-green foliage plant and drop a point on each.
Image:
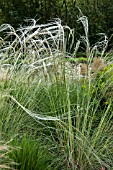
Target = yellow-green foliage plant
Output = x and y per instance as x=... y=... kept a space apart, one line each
x=105 y=81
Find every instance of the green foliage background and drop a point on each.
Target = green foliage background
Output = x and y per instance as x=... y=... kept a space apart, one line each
x=99 y=13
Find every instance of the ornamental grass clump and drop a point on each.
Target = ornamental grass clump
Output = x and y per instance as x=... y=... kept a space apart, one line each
x=48 y=96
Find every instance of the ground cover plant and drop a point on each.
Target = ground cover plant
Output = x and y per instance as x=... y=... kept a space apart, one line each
x=53 y=104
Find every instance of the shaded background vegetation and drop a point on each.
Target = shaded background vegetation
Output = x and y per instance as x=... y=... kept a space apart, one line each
x=99 y=13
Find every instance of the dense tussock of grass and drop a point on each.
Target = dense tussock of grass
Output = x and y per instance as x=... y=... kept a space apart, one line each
x=57 y=116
